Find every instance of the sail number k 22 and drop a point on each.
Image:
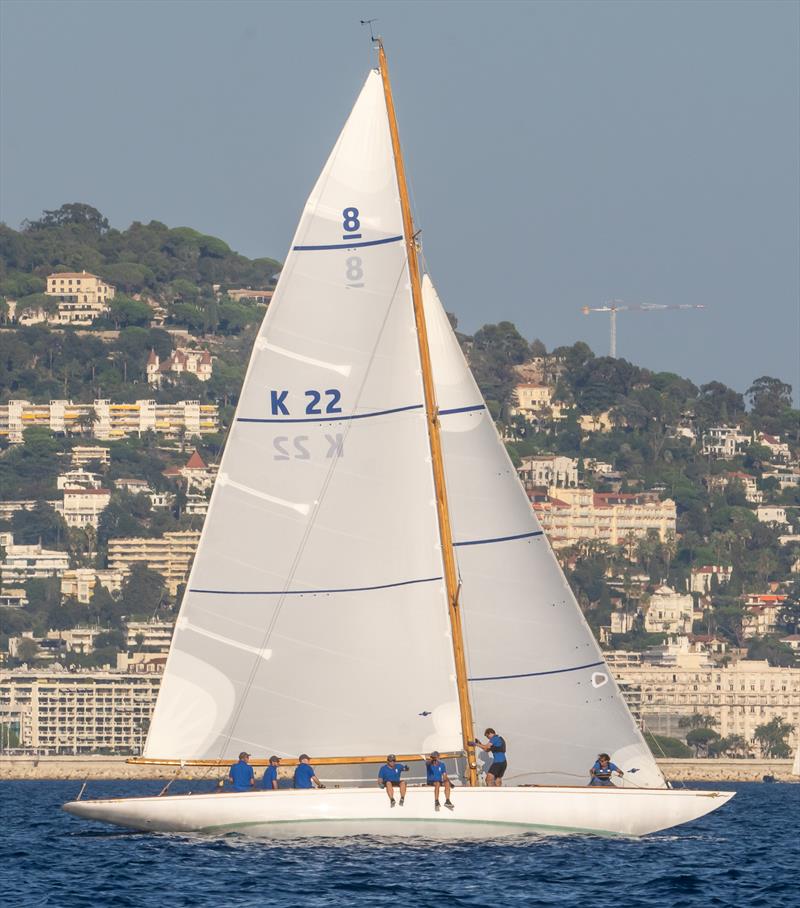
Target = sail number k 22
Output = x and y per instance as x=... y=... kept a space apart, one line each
x=317 y=403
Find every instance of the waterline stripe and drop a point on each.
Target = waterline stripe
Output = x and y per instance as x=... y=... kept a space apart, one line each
x=332 y=418
x=555 y=671
x=472 y=409
x=391 y=239
x=499 y=539
x=354 y=589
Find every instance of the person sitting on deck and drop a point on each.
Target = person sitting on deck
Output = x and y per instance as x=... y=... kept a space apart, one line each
x=271 y=774
x=437 y=776
x=304 y=775
x=389 y=776
x=496 y=746
x=241 y=774
x=602 y=771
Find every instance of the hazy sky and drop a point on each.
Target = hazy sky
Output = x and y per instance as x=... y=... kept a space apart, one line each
x=560 y=154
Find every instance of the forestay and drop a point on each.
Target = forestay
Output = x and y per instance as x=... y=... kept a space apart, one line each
x=315 y=617
x=536 y=672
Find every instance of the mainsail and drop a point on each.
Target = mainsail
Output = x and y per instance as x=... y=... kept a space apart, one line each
x=315 y=615
x=536 y=672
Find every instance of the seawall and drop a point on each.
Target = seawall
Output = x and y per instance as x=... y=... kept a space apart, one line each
x=89 y=767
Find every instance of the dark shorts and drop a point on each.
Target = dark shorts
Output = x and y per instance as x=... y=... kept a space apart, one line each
x=498 y=770
x=440 y=782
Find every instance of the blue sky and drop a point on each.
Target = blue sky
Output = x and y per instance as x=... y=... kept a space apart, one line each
x=560 y=154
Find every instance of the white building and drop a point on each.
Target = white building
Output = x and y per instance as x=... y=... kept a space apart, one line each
x=83 y=507
x=549 y=470
x=724 y=442
x=30 y=562
x=702 y=577
x=78 y=479
x=80 y=583
x=86 y=454
x=669 y=612
x=772 y=513
x=82 y=296
x=182 y=361
x=150 y=635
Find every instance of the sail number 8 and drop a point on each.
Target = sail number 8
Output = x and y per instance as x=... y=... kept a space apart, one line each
x=354 y=271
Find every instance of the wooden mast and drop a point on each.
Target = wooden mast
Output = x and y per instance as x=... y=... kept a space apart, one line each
x=432 y=412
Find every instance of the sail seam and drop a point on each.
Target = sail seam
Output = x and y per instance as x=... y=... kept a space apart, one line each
x=390 y=239
x=353 y=589
x=332 y=418
x=555 y=671
x=499 y=539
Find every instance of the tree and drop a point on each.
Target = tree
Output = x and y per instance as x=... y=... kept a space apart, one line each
x=771 y=738
x=789 y=615
x=701 y=738
x=39 y=525
x=142 y=590
x=72 y=213
x=697 y=720
x=27 y=650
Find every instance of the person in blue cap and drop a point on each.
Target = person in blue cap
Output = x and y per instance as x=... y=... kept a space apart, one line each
x=241 y=774
x=304 y=774
x=602 y=771
x=496 y=746
x=271 y=774
x=437 y=776
x=389 y=776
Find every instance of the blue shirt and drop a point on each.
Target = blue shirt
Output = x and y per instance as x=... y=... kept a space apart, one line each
x=602 y=773
x=498 y=755
x=242 y=775
x=303 y=774
x=389 y=774
x=436 y=771
x=270 y=776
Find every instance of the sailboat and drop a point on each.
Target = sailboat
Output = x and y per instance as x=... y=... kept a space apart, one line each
x=371 y=578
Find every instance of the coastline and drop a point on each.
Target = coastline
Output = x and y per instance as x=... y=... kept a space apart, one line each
x=81 y=768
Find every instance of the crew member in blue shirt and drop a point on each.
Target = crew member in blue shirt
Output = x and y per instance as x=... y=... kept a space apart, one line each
x=389 y=776
x=271 y=774
x=304 y=775
x=437 y=776
x=496 y=746
x=241 y=774
x=602 y=771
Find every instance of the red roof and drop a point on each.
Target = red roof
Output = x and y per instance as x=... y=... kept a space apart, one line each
x=152 y=360
x=195 y=462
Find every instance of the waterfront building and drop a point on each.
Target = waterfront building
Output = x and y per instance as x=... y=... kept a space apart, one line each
x=82 y=296
x=549 y=470
x=85 y=712
x=107 y=420
x=739 y=696
x=83 y=507
x=169 y=555
x=570 y=515
x=22 y=563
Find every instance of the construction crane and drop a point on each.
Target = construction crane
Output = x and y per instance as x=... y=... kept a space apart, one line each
x=616 y=306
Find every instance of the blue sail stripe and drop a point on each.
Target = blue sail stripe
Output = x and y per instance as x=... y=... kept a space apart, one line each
x=471 y=409
x=555 y=671
x=330 y=418
x=390 y=239
x=499 y=539
x=354 y=589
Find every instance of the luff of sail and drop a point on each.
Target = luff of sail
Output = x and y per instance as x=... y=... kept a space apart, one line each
x=536 y=672
x=315 y=617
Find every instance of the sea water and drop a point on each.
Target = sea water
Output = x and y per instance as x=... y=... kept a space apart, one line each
x=745 y=854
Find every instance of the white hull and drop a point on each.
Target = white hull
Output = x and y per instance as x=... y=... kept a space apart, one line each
x=479 y=812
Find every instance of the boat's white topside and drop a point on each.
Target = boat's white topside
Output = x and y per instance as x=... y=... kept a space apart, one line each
x=477 y=812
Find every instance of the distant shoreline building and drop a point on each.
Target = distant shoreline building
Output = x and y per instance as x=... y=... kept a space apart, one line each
x=82 y=296
x=182 y=361
x=169 y=555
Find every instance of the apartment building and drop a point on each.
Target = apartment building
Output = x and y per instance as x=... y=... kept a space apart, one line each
x=82 y=296
x=82 y=455
x=669 y=612
x=106 y=420
x=169 y=555
x=570 y=515
x=149 y=635
x=59 y=712
x=80 y=583
x=739 y=696
x=78 y=478
x=30 y=562
x=83 y=507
